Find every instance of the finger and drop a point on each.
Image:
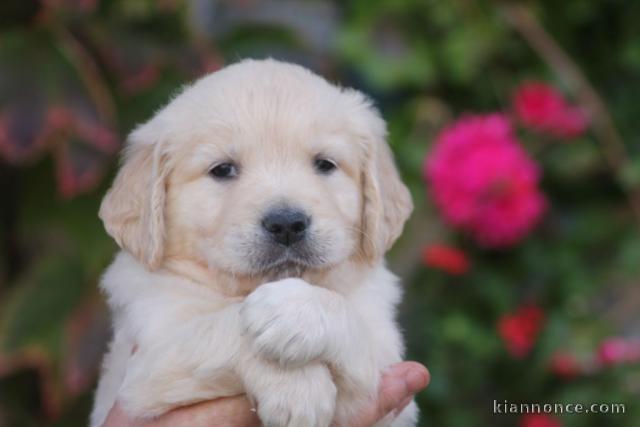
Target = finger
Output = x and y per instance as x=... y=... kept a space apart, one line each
x=227 y=412
x=397 y=387
x=416 y=375
x=117 y=417
x=403 y=405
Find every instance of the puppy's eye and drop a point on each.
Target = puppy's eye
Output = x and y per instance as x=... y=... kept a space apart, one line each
x=224 y=171
x=324 y=166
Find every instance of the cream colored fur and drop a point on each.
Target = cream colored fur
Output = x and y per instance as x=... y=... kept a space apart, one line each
x=196 y=317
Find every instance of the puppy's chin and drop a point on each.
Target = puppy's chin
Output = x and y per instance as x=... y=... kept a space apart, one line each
x=249 y=264
x=285 y=270
x=276 y=262
x=287 y=265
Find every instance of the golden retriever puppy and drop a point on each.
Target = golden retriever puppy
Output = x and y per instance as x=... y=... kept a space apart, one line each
x=253 y=213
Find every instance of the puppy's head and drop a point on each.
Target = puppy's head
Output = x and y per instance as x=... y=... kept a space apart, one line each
x=261 y=169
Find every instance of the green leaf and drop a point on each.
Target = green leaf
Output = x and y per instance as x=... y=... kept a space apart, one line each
x=35 y=313
x=392 y=61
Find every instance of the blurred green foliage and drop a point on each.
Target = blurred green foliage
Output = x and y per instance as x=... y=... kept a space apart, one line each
x=75 y=73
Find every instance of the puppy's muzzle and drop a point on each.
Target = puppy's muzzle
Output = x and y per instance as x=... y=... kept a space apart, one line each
x=286 y=226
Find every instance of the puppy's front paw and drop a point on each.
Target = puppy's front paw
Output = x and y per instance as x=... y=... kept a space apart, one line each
x=285 y=321
x=305 y=397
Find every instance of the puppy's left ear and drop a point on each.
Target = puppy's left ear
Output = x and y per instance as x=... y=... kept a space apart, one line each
x=387 y=202
x=133 y=209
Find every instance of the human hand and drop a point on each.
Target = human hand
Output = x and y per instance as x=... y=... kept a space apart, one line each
x=396 y=390
x=225 y=412
x=397 y=387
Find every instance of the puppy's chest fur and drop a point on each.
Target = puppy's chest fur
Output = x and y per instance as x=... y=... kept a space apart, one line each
x=286 y=339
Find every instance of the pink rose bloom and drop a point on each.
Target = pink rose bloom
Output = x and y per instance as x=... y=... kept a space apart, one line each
x=519 y=330
x=483 y=181
x=539 y=420
x=446 y=258
x=542 y=108
x=618 y=350
x=564 y=365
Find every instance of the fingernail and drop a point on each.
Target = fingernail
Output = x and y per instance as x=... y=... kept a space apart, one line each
x=416 y=380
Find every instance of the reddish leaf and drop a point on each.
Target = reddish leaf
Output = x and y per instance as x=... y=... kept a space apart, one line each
x=35 y=358
x=87 y=332
x=79 y=168
x=77 y=113
x=83 y=146
x=198 y=61
x=137 y=66
x=83 y=6
x=22 y=131
x=139 y=79
x=33 y=318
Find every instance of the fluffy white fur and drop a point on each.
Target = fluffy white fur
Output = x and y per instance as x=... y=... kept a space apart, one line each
x=198 y=312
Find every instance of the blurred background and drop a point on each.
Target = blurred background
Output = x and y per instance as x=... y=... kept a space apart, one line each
x=515 y=124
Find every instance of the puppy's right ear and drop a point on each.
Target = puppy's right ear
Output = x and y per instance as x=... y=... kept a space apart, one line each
x=133 y=209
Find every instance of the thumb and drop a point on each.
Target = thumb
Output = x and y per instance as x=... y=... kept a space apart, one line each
x=397 y=387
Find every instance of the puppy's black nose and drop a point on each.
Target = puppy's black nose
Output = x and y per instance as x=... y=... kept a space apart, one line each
x=285 y=225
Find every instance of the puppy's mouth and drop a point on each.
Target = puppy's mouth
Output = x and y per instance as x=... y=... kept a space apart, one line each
x=285 y=270
x=278 y=262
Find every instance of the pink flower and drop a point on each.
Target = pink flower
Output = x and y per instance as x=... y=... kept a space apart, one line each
x=616 y=350
x=539 y=420
x=542 y=108
x=564 y=365
x=483 y=182
x=519 y=330
x=446 y=258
